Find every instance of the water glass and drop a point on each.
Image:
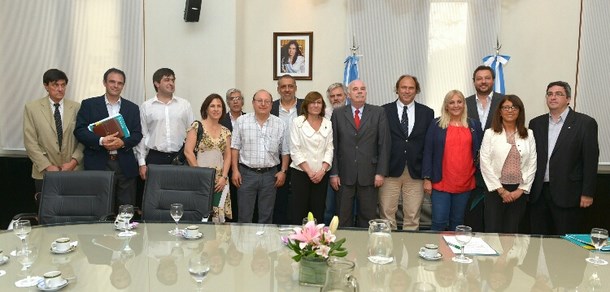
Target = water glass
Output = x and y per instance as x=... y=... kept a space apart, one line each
x=463 y=235
x=599 y=238
x=176 y=210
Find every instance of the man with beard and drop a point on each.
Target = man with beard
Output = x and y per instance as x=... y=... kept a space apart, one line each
x=481 y=107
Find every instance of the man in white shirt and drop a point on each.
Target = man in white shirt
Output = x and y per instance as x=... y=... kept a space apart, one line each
x=165 y=119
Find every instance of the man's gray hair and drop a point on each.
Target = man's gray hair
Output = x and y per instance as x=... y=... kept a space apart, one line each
x=333 y=86
x=231 y=91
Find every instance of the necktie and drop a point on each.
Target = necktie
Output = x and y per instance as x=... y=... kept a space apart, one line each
x=58 y=127
x=404 y=122
x=357 y=118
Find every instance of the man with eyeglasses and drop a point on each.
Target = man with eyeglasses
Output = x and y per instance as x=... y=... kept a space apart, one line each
x=235 y=102
x=165 y=119
x=287 y=107
x=48 y=123
x=258 y=147
x=568 y=153
x=481 y=107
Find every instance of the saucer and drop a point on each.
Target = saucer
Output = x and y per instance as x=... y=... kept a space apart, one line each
x=191 y=237
x=3 y=260
x=435 y=258
x=43 y=287
x=132 y=225
x=69 y=250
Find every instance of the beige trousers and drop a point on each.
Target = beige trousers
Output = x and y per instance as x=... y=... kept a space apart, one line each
x=412 y=193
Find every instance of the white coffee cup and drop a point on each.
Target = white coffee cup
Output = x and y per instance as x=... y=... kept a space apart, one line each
x=429 y=250
x=192 y=231
x=53 y=279
x=61 y=244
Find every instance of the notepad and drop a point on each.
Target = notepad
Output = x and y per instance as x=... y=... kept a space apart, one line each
x=476 y=246
x=584 y=241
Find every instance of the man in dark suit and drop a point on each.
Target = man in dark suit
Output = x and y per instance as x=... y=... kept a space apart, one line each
x=111 y=152
x=287 y=107
x=568 y=153
x=362 y=150
x=235 y=102
x=481 y=107
x=408 y=122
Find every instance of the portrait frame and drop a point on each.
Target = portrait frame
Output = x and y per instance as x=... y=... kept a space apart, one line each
x=297 y=66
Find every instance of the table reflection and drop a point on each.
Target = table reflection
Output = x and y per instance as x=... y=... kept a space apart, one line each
x=252 y=257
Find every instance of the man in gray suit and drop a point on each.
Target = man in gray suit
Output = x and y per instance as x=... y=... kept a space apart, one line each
x=362 y=150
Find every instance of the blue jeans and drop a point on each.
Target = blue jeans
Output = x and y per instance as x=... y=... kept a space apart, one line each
x=448 y=209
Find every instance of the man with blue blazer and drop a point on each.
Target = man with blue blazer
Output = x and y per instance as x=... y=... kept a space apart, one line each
x=111 y=152
x=362 y=149
x=408 y=121
x=568 y=154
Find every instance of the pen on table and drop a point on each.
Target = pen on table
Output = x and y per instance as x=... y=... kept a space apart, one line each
x=454 y=245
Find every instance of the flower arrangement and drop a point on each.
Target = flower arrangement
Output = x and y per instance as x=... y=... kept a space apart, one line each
x=316 y=241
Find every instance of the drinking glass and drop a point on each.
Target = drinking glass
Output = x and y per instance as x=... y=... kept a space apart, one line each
x=126 y=213
x=22 y=229
x=199 y=266
x=463 y=235
x=599 y=238
x=176 y=210
x=27 y=257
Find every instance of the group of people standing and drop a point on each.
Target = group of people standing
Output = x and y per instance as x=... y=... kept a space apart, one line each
x=291 y=156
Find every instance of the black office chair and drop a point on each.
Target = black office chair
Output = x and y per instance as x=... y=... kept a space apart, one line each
x=167 y=184
x=74 y=196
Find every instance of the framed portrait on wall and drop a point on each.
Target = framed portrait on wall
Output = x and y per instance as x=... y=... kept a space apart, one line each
x=292 y=54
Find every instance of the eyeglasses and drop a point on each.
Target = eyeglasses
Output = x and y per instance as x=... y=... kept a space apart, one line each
x=510 y=108
x=558 y=94
x=234 y=98
x=261 y=101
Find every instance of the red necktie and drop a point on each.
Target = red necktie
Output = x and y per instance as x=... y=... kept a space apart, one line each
x=357 y=118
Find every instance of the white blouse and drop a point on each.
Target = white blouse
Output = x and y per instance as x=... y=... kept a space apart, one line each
x=309 y=145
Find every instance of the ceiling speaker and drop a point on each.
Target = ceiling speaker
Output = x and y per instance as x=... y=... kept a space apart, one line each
x=192 y=9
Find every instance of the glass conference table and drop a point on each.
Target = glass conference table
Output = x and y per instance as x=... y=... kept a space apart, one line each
x=253 y=258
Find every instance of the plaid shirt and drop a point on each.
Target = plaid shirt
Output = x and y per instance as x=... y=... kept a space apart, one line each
x=259 y=146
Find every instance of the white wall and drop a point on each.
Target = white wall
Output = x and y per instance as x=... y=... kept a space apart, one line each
x=542 y=39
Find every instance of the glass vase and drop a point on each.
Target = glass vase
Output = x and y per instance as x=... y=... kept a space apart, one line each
x=312 y=271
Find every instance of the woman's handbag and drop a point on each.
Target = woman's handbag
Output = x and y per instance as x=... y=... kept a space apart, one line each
x=180 y=158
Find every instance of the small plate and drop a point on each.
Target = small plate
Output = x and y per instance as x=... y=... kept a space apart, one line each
x=3 y=260
x=69 y=250
x=436 y=258
x=132 y=225
x=43 y=287
x=191 y=237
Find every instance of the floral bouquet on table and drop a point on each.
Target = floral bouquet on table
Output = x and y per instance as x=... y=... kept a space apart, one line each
x=316 y=241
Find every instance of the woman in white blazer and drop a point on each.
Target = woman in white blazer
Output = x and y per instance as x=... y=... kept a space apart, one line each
x=508 y=166
x=311 y=150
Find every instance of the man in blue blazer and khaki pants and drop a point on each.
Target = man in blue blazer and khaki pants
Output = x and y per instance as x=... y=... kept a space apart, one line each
x=112 y=152
x=408 y=121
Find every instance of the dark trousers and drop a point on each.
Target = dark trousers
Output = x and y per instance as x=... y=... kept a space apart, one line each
x=306 y=197
x=282 y=201
x=124 y=187
x=549 y=219
x=504 y=217
x=257 y=189
x=366 y=198
x=158 y=157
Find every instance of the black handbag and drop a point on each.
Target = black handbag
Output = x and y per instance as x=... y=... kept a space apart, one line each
x=180 y=158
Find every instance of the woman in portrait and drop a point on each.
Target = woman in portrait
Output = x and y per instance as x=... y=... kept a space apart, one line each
x=311 y=150
x=451 y=148
x=214 y=151
x=292 y=58
x=508 y=166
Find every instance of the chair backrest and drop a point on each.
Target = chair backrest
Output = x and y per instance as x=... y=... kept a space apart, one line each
x=76 y=196
x=167 y=184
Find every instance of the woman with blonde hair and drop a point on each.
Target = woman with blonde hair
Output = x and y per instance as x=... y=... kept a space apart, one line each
x=450 y=153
